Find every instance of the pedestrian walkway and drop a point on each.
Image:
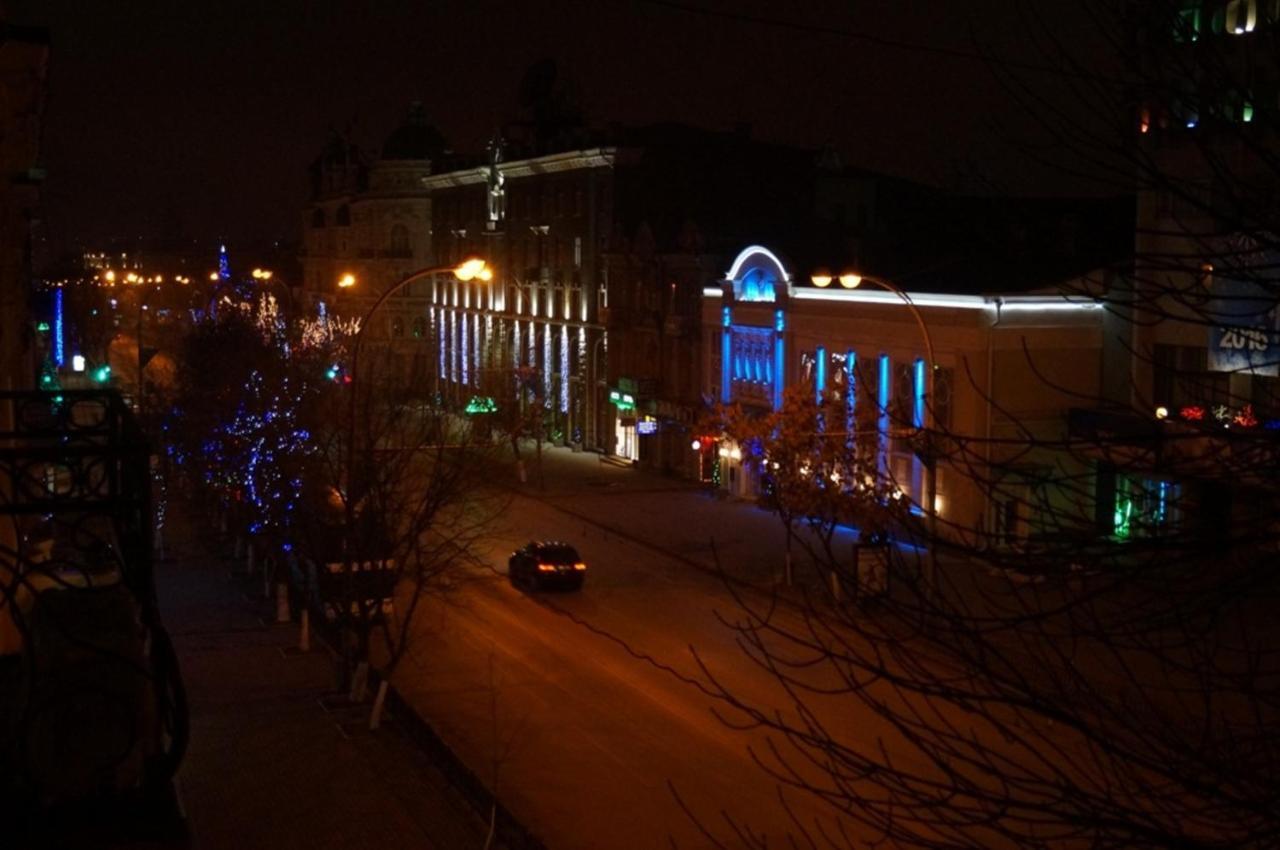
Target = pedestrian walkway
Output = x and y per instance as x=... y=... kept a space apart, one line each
x=268 y=765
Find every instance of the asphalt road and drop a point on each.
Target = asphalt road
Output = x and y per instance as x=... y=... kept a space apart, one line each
x=545 y=696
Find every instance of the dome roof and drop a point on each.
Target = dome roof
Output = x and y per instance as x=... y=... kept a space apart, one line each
x=414 y=138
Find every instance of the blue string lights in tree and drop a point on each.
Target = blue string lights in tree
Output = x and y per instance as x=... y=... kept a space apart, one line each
x=59 y=351
x=272 y=446
x=224 y=266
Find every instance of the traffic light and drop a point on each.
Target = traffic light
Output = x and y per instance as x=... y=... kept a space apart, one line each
x=334 y=372
x=102 y=374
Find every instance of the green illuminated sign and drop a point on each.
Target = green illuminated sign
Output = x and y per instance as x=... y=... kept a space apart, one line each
x=43 y=327
x=623 y=401
x=481 y=404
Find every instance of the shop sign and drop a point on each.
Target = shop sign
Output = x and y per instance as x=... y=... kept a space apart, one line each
x=648 y=425
x=622 y=400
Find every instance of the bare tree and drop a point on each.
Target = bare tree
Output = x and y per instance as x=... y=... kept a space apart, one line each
x=1110 y=679
x=397 y=505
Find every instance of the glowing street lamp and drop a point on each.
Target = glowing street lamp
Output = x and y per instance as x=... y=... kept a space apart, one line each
x=347 y=281
x=213 y=276
x=474 y=269
x=261 y=274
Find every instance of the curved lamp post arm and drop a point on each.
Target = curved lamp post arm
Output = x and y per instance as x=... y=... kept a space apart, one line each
x=468 y=270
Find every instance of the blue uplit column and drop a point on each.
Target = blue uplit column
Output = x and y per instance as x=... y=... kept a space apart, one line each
x=725 y=365
x=821 y=367
x=917 y=421
x=882 y=429
x=851 y=398
x=779 y=358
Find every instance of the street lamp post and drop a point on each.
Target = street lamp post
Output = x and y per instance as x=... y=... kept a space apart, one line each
x=472 y=269
x=851 y=280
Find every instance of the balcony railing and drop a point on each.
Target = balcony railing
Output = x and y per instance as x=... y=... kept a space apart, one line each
x=78 y=611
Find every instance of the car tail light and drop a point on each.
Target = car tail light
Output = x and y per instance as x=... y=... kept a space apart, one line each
x=546 y=568
x=579 y=566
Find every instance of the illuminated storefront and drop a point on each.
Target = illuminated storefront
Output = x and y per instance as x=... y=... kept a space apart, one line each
x=768 y=327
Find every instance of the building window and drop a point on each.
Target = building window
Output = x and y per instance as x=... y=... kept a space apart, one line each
x=1146 y=507
x=1242 y=16
x=419 y=327
x=397 y=327
x=343 y=218
x=317 y=218
x=400 y=241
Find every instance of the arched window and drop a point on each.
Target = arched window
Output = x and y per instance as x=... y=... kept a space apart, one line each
x=317 y=218
x=344 y=216
x=400 y=241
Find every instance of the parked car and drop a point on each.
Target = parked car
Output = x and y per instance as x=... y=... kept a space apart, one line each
x=546 y=564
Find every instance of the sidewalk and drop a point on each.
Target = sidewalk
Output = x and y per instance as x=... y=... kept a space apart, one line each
x=268 y=766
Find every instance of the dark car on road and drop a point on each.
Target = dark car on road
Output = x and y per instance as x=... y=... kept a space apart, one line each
x=545 y=565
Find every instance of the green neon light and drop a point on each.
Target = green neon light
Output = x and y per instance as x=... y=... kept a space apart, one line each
x=42 y=327
x=481 y=404
x=1123 y=514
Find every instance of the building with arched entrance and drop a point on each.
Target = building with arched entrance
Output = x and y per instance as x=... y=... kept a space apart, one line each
x=1007 y=370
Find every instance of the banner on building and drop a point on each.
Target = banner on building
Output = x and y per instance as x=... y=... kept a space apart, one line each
x=1245 y=286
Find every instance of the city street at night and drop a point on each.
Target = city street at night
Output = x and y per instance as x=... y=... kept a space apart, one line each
x=687 y=424
x=592 y=737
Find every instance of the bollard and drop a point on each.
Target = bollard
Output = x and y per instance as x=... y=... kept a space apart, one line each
x=835 y=585
x=380 y=700
x=282 y=602
x=304 y=636
x=360 y=682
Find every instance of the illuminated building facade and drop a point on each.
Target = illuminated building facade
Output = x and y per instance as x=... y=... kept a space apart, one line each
x=370 y=218
x=767 y=326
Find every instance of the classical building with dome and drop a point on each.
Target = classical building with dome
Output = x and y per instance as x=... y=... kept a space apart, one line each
x=369 y=217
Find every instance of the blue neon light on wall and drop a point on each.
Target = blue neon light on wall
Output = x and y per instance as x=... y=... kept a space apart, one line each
x=59 y=353
x=917 y=413
x=882 y=437
x=851 y=394
x=726 y=365
x=821 y=372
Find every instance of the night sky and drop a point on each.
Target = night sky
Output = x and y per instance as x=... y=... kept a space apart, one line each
x=199 y=118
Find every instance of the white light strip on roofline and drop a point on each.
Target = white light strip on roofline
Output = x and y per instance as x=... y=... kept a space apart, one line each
x=712 y=292
x=960 y=302
x=880 y=296
x=1049 y=304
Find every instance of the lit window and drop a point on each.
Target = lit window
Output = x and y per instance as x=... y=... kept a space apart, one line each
x=1242 y=16
x=1246 y=113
